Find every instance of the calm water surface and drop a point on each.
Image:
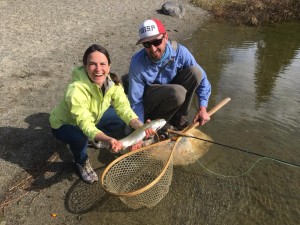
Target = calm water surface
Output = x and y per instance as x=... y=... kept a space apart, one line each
x=259 y=69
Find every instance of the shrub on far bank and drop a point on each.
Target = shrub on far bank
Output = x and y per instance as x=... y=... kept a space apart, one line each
x=252 y=12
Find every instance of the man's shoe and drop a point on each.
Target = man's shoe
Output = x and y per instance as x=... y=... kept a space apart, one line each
x=180 y=122
x=87 y=173
x=162 y=135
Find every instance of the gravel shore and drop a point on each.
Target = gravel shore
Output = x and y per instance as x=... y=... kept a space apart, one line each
x=41 y=42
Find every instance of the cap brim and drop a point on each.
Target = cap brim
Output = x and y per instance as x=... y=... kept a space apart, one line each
x=148 y=39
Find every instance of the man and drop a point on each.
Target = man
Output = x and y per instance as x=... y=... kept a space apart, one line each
x=162 y=80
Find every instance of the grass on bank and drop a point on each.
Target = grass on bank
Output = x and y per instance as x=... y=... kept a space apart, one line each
x=252 y=12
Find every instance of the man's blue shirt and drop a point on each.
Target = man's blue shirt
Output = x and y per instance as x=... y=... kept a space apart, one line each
x=144 y=71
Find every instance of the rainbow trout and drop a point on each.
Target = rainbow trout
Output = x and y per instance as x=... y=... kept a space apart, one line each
x=137 y=135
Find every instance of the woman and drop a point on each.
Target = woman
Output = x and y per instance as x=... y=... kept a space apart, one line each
x=85 y=113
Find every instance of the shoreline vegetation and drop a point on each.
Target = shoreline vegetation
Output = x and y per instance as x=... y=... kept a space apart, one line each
x=252 y=12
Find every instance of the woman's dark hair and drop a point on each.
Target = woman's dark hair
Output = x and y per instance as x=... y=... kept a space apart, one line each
x=92 y=49
x=114 y=77
x=103 y=50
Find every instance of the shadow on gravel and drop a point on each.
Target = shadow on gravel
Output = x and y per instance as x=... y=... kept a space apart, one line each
x=184 y=202
x=39 y=160
x=34 y=150
x=83 y=198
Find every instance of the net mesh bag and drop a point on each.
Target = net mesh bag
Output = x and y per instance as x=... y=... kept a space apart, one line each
x=143 y=177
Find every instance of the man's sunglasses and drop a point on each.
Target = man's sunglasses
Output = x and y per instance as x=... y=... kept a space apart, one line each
x=155 y=43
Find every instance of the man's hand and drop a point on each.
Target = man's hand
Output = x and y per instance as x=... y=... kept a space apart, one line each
x=202 y=116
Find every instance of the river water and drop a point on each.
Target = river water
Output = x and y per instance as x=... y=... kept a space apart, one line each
x=258 y=68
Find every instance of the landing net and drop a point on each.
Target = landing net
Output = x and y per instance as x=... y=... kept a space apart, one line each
x=143 y=177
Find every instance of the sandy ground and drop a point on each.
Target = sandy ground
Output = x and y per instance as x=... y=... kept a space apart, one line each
x=40 y=43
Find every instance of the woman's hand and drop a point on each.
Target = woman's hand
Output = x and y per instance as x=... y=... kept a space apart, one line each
x=136 y=123
x=115 y=145
x=149 y=132
x=136 y=146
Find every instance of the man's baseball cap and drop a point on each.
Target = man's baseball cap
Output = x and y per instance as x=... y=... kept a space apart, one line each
x=150 y=30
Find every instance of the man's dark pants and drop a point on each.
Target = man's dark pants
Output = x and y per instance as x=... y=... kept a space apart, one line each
x=163 y=101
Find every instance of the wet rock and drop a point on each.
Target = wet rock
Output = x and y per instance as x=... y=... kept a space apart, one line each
x=174 y=9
